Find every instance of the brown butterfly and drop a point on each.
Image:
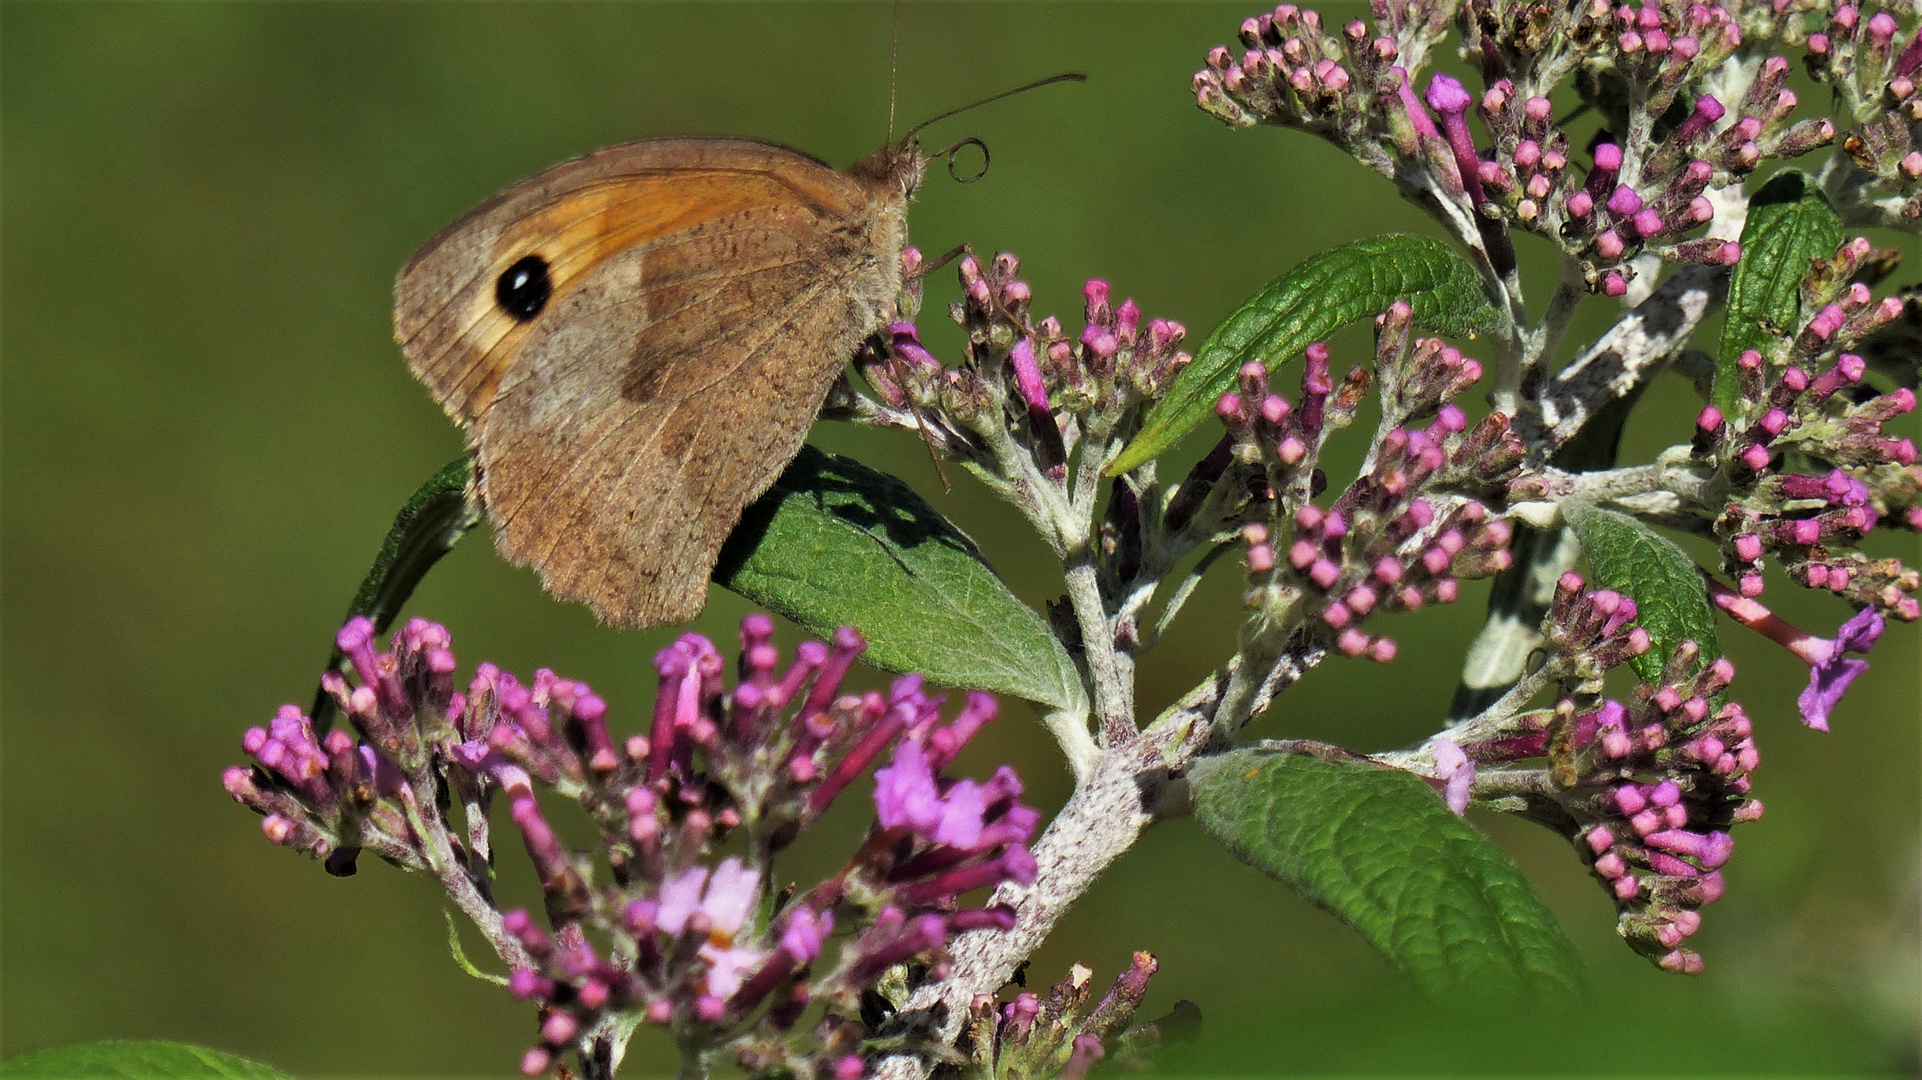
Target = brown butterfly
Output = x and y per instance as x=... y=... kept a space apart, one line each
x=637 y=341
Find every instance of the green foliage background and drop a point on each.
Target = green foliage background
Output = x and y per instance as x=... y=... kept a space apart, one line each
x=207 y=429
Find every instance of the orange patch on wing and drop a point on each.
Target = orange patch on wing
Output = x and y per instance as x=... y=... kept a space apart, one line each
x=585 y=227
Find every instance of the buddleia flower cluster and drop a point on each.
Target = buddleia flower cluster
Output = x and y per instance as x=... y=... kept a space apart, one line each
x=673 y=933
x=1861 y=54
x=1648 y=181
x=1792 y=461
x=1804 y=456
x=1065 y=1034
x=1028 y=397
x=1646 y=789
x=1408 y=529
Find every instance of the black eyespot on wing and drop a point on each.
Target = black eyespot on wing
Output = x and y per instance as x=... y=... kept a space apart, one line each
x=524 y=288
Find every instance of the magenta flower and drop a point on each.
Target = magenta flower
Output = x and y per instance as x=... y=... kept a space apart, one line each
x=680 y=899
x=731 y=894
x=1830 y=673
x=1027 y=377
x=904 y=792
x=728 y=968
x=805 y=934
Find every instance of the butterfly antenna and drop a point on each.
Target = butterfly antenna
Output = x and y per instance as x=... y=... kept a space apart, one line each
x=894 y=66
x=1066 y=76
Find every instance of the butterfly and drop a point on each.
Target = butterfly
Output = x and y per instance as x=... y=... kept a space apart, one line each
x=637 y=341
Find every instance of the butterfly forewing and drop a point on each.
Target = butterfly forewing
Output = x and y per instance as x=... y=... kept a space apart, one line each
x=695 y=299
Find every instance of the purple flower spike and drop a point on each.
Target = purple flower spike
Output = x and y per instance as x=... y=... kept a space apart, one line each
x=769 y=752
x=1451 y=102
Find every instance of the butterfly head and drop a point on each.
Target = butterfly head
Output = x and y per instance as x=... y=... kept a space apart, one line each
x=898 y=168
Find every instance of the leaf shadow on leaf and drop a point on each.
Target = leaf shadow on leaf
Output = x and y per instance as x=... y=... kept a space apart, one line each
x=871 y=501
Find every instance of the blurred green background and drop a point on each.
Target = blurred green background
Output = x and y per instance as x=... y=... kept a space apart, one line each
x=207 y=429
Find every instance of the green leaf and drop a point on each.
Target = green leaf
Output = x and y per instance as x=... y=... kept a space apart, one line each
x=834 y=543
x=1377 y=849
x=1305 y=305
x=428 y=526
x=117 y=1060
x=1670 y=597
x=1789 y=226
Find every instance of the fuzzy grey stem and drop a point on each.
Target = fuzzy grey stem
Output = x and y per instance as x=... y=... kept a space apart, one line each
x=1607 y=483
x=1501 y=783
x=474 y=903
x=1249 y=686
x=1623 y=359
x=457 y=876
x=1569 y=293
x=1113 y=700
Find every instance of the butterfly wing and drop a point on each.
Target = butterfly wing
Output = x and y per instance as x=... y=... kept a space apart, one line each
x=704 y=295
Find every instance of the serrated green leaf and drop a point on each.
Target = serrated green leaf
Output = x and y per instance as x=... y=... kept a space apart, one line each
x=428 y=526
x=1376 y=848
x=834 y=543
x=1790 y=224
x=1305 y=305
x=130 y=1060
x=1670 y=598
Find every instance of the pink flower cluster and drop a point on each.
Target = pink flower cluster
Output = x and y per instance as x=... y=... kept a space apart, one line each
x=1855 y=55
x=1380 y=545
x=1050 y=385
x=1358 y=90
x=1064 y=1033
x=1811 y=523
x=1650 y=788
x=1659 y=844
x=674 y=936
